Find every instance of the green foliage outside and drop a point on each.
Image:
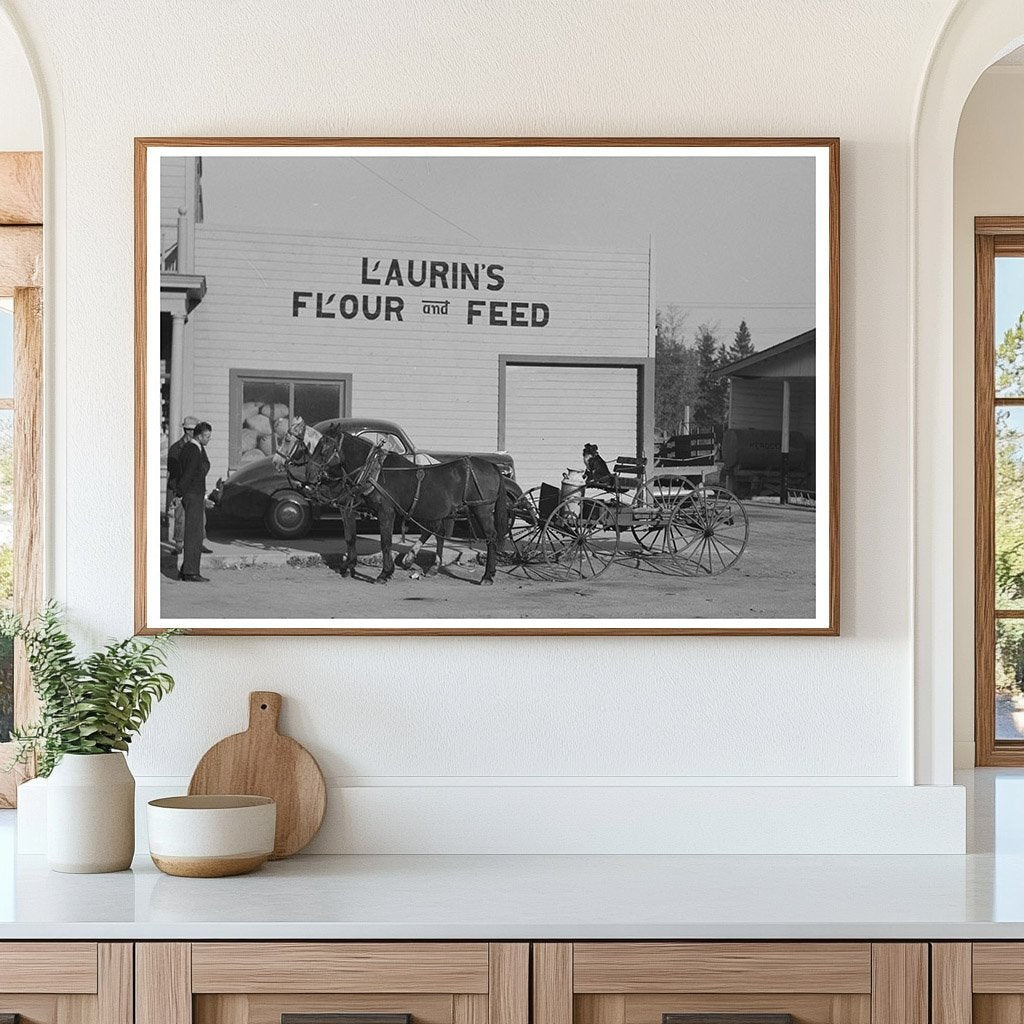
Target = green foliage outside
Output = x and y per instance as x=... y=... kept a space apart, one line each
x=6 y=574
x=6 y=688
x=90 y=705
x=1009 y=508
x=1010 y=362
x=1009 y=656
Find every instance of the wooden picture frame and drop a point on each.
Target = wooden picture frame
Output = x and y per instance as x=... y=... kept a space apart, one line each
x=819 y=616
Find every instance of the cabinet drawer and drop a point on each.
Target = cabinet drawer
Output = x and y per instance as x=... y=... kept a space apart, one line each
x=66 y=982
x=332 y=983
x=730 y=983
x=635 y=967
x=66 y=967
x=340 y=967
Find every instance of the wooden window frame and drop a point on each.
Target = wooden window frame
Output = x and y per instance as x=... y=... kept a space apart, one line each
x=993 y=237
x=21 y=278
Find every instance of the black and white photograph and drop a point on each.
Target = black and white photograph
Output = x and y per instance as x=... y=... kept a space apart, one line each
x=471 y=387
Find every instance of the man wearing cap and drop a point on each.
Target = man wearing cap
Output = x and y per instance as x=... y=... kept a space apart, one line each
x=174 y=509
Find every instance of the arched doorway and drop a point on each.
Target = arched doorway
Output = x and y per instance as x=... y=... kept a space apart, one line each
x=977 y=33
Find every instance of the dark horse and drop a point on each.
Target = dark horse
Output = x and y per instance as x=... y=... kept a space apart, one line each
x=357 y=472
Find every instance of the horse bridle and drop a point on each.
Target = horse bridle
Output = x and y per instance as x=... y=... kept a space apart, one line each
x=355 y=484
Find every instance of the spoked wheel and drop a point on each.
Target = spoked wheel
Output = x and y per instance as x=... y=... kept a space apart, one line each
x=580 y=538
x=524 y=556
x=655 y=526
x=708 y=531
x=667 y=490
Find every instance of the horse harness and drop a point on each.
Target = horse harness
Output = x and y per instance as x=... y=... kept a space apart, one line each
x=421 y=472
x=367 y=480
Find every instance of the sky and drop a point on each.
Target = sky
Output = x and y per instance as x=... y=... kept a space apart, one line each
x=732 y=237
x=6 y=354
x=1009 y=293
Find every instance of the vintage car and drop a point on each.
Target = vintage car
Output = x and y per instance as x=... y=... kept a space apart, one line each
x=260 y=491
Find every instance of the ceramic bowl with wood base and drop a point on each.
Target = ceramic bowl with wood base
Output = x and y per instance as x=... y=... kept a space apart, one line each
x=211 y=836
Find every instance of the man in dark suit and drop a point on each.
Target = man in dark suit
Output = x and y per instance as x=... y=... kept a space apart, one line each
x=174 y=510
x=190 y=487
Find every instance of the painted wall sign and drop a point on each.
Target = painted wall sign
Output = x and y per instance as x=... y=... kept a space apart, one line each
x=439 y=275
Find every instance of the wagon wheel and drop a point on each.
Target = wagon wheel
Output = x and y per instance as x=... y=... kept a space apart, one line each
x=667 y=489
x=524 y=556
x=709 y=532
x=655 y=526
x=580 y=538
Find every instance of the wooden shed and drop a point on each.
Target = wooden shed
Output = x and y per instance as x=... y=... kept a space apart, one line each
x=772 y=413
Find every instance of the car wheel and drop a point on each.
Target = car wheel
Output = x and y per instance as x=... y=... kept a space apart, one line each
x=288 y=516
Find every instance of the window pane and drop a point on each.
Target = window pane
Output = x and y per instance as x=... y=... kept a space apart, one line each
x=1009 y=679
x=316 y=402
x=1009 y=511
x=6 y=567
x=6 y=353
x=1009 y=324
x=266 y=414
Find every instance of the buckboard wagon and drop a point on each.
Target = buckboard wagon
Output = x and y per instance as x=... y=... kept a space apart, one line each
x=677 y=525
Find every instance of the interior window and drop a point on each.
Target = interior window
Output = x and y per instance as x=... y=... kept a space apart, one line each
x=999 y=491
x=1008 y=417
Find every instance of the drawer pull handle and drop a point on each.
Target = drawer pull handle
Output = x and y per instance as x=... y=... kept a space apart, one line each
x=340 y=1018
x=727 y=1018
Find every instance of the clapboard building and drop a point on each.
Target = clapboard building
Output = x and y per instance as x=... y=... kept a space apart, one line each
x=467 y=347
x=772 y=414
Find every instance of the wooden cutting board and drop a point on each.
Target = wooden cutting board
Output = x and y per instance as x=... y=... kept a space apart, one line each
x=262 y=762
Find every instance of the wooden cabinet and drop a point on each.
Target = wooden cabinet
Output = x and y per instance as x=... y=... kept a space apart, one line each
x=755 y=982
x=66 y=982
x=494 y=983
x=978 y=983
x=307 y=982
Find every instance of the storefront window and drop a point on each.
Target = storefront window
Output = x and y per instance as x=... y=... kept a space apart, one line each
x=267 y=403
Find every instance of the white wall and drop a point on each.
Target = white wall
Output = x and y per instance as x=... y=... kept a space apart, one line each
x=987 y=181
x=21 y=127
x=457 y=712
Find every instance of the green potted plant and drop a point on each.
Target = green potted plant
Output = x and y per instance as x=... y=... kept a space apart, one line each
x=90 y=708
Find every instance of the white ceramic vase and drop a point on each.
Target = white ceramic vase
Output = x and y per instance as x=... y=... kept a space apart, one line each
x=90 y=814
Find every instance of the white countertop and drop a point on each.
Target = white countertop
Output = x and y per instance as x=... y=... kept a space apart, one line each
x=978 y=896
x=517 y=897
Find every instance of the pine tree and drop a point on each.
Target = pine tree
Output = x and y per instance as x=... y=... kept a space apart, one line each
x=675 y=370
x=741 y=346
x=709 y=407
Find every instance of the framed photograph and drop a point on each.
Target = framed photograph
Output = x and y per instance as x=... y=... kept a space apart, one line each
x=496 y=386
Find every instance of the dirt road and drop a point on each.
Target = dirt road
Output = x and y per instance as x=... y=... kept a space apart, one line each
x=774 y=578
